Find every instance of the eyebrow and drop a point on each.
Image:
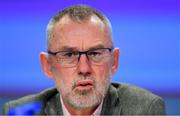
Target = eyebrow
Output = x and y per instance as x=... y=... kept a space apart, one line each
x=96 y=46
x=69 y=48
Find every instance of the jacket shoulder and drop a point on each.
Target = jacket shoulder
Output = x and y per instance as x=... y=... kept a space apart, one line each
x=135 y=100
x=127 y=90
x=41 y=98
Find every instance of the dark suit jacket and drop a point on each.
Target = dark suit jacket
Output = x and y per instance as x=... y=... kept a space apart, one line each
x=121 y=99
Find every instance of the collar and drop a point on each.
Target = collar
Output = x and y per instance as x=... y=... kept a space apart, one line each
x=66 y=112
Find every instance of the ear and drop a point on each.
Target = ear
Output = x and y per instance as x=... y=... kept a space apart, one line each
x=46 y=66
x=115 y=62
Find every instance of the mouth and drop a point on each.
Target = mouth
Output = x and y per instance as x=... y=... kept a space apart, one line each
x=84 y=85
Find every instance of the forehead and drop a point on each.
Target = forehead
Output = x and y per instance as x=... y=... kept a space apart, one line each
x=81 y=35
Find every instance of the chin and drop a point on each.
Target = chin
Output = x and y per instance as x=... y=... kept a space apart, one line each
x=85 y=100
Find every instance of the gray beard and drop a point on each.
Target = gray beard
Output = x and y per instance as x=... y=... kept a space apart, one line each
x=88 y=99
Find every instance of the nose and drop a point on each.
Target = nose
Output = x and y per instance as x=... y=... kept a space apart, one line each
x=84 y=66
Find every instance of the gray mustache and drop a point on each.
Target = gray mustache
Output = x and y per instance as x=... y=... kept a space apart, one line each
x=81 y=78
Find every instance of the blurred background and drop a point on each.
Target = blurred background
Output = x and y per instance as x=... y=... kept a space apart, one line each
x=146 y=31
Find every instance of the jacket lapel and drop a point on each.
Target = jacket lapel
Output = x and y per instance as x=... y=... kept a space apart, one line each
x=111 y=105
x=53 y=107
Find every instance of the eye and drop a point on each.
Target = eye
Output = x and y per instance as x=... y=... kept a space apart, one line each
x=69 y=54
x=94 y=53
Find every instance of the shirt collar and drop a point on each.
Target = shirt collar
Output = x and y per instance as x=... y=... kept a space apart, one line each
x=66 y=112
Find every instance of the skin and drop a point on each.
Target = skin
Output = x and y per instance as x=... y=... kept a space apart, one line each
x=83 y=36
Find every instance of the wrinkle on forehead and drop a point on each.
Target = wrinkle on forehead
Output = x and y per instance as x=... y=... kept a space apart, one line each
x=65 y=25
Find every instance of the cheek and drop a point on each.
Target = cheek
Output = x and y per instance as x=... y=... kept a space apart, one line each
x=102 y=72
x=63 y=76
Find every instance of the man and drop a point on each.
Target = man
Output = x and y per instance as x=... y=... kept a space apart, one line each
x=81 y=59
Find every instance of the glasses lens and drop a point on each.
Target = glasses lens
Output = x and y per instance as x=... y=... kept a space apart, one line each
x=99 y=55
x=67 y=59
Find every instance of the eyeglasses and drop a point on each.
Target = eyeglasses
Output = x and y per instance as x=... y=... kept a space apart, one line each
x=71 y=58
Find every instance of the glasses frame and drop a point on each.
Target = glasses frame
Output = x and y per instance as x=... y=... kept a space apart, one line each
x=80 y=52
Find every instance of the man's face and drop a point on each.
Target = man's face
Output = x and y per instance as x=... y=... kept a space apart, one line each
x=85 y=84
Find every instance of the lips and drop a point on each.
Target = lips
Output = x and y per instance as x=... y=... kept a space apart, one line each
x=84 y=85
